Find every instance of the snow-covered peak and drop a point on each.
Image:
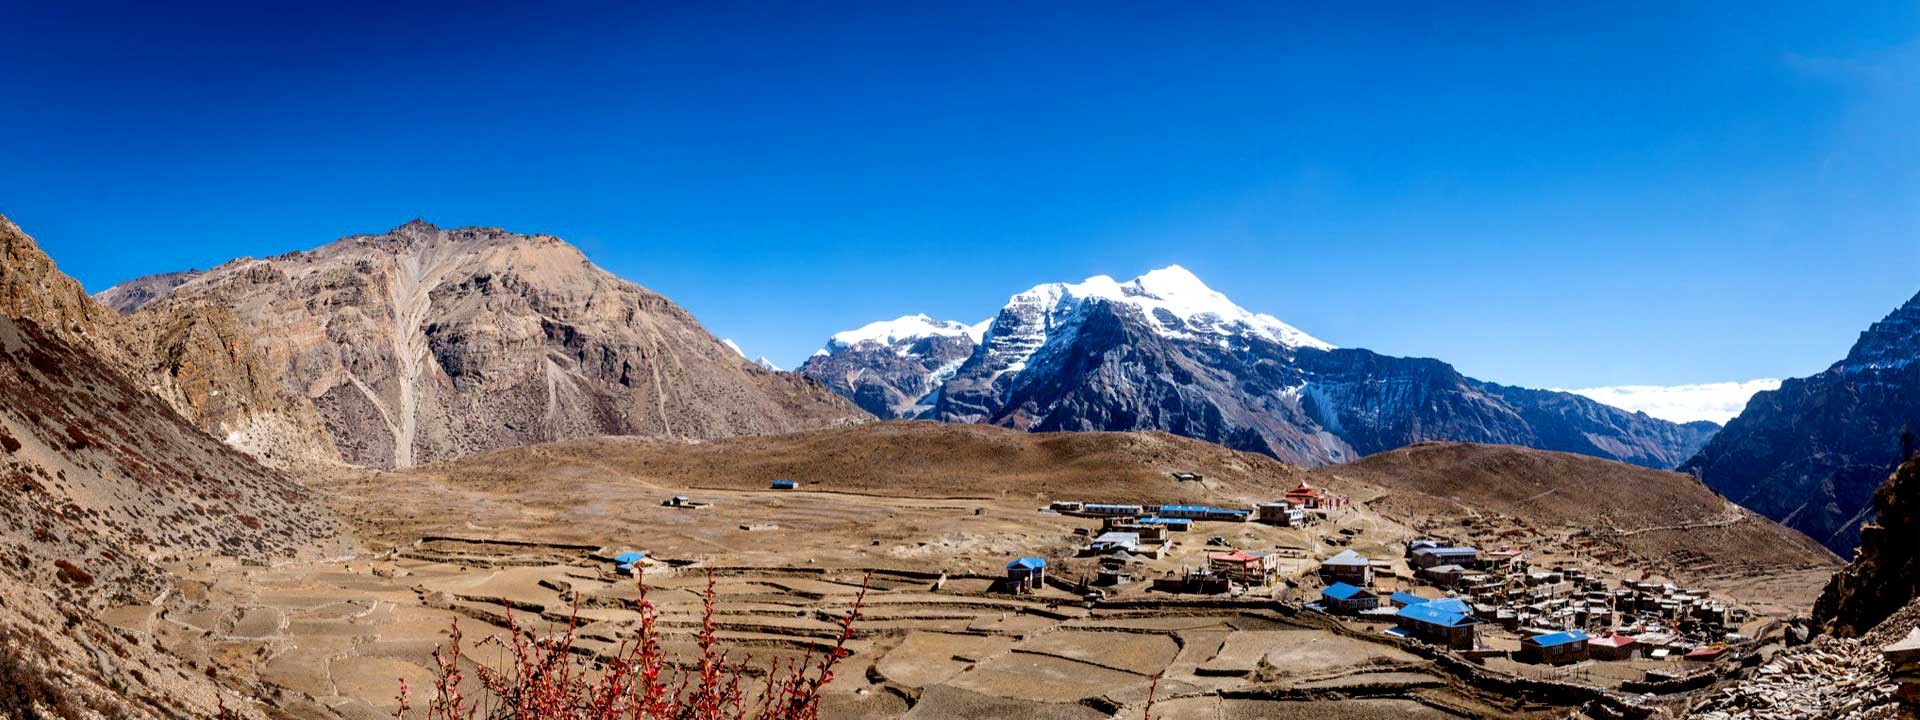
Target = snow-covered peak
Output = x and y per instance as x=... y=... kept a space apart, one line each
x=762 y=360
x=1177 y=302
x=904 y=328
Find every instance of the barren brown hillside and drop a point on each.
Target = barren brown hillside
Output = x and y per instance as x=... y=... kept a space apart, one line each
x=102 y=479
x=1668 y=520
x=915 y=459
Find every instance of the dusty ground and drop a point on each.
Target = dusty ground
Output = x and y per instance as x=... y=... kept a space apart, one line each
x=336 y=637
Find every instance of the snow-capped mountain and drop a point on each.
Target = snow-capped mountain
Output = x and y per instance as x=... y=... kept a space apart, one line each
x=760 y=360
x=1811 y=453
x=1165 y=351
x=894 y=368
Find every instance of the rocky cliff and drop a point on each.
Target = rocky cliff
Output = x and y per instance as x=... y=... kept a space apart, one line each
x=192 y=356
x=1812 y=453
x=422 y=344
x=33 y=289
x=1166 y=352
x=1885 y=574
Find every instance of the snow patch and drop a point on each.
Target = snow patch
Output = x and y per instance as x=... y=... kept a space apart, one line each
x=736 y=346
x=903 y=328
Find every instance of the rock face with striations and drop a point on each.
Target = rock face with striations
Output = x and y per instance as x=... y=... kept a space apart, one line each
x=894 y=368
x=1165 y=352
x=1885 y=574
x=1812 y=453
x=422 y=344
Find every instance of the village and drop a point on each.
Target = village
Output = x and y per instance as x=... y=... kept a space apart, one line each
x=1499 y=608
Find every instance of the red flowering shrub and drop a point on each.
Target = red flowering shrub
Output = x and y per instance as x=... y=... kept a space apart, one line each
x=545 y=679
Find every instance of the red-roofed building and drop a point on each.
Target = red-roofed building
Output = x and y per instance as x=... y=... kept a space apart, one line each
x=1313 y=498
x=1243 y=566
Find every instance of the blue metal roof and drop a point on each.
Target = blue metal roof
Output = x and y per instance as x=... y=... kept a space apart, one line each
x=1427 y=613
x=1341 y=591
x=1452 y=605
x=1560 y=638
x=1029 y=563
x=1406 y=598
x=1157 y=520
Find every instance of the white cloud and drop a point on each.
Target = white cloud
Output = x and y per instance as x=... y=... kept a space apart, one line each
x=1718 y=402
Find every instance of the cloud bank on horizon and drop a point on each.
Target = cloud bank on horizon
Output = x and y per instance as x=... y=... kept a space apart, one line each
x=1718 y=402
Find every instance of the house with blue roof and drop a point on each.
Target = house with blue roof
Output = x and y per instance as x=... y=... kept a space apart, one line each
x=1343 y=598
x=625 y=561
x=785 y=484
x=1027 y=573
x=1403 y=598
x=1448 y=623
x=1556 y=648
x=1171 y=524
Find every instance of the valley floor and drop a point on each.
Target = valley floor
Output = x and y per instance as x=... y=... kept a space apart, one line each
x=443 y=545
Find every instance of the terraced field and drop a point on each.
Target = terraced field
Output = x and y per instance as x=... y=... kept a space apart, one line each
x=338 y=638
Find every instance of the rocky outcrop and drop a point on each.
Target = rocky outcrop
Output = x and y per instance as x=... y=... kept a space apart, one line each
x=1885 y=574
x=193 y=356
x=1165 y=352
x=33 y=289
x=200 y=359
x=422 y=344
x=1812 y=453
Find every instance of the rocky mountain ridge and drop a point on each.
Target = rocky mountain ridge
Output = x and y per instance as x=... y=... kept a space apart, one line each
x=1164 y=351
x=1812 y=453
x=422 y=344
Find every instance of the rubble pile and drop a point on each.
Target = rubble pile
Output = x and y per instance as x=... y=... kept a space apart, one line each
x=1872 y=677
x=1828 y=679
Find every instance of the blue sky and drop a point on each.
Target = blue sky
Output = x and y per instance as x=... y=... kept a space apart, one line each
x=1555 y=196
